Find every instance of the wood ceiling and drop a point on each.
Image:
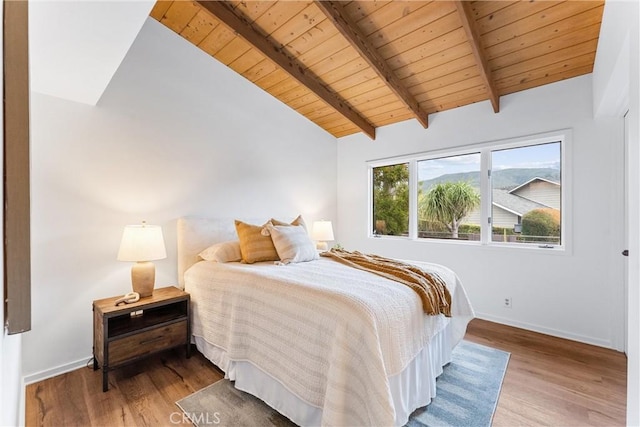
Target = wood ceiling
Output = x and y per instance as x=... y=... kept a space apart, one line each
x=353 y=66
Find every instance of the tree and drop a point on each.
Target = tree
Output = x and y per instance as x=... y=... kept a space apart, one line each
x=391 y=199
x=541 y=222
x=448 y=203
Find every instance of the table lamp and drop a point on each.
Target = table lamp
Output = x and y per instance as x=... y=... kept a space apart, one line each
x=321 y=232
x=142 y=244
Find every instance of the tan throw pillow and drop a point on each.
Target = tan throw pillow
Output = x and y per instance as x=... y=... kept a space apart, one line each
x=254 y=246
x=222 y=252
x=292 y=243
x=298 y=221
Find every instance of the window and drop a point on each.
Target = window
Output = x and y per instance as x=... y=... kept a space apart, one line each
x=526 y=194
x=449 y=197
x=507 y=193
x=391 y=200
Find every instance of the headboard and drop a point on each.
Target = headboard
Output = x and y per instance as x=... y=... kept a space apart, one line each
x=194 y=234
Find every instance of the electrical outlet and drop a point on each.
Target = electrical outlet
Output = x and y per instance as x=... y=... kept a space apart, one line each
x=507 y=302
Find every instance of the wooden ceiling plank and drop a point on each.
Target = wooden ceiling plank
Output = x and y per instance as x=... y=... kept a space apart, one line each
x=335 y=74
x=199 y=27
x=272 y=79
x=482 y=8
x=544 y=48
x=434 y=47
x=444 y=105
x=335 y=61
x=345 y=25
x=216 y=40
x=377 y=108
x=179 y=14
x=329 y=47
x=452 y=88
x=551 y=58
x=457 y=99
x=363 y=87
x=438 y=62
x=260 y=70
x=369 y=95
x=423 y=24
x=245 y=62
x=348 y=127
x=316 y=110
x=551 y=78
x=460 y=68
x=233 y=50
x=387 y=14
x=279 y=14
x=514 y=12
x=278 y=55
x=432 y=31
x=361 y=9
x=251 y=10
x=159 y=9
x=519 y=40
x=445 y=81
x=543 y=72
x=400 y=114
x=469 y=25
x=316 y=35
x=305 y=20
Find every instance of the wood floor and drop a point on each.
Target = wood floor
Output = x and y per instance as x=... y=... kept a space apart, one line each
x=549 y=381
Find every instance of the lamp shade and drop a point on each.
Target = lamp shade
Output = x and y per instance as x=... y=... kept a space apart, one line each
x=322 y=231
x=142 y=243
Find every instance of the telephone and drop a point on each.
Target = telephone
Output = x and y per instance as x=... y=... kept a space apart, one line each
x=128 y=298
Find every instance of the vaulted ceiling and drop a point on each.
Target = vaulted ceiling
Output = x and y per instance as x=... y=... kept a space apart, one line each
x=353 y=66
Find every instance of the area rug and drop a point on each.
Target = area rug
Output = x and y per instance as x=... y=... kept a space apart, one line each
x=466 y=395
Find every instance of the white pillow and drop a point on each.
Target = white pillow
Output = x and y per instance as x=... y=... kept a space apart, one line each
x=222 y=252
x=292 y=243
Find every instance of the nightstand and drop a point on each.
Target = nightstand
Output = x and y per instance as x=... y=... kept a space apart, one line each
x=128 y=332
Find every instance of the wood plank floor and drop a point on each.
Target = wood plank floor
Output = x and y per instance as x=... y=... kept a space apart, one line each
x=549 y=381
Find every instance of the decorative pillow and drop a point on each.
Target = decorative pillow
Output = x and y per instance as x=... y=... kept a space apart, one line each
x=254 y=246
x=222 y=252
x=292 y=243
x=298 y=221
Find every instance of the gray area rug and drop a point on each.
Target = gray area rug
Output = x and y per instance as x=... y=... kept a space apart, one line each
x=466 y=395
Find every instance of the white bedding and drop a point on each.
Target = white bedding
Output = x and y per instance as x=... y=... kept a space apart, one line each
x=330 y=335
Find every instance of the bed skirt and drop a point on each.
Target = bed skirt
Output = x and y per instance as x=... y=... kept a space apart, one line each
x=411 y=389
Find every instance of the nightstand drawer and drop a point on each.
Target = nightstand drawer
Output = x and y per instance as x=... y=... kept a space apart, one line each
x=147 y=342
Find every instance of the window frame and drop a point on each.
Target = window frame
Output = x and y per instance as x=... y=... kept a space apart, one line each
x=564 y=136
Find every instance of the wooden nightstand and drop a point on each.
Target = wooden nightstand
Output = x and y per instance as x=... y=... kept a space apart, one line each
x=129 y=332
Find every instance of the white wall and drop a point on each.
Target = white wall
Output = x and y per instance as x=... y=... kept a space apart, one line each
x=570 y=295
x=176 y=133
x=616 y=91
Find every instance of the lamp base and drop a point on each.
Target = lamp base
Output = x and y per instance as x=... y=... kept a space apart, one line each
x=143 y=277
x=322 y=246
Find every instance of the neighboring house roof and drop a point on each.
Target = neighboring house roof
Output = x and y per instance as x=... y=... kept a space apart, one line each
x=514 y=190
x=514 y=203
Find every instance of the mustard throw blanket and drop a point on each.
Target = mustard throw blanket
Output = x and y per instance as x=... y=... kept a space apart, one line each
x=429 y=286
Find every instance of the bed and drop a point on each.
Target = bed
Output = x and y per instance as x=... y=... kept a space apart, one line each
x=321 y=342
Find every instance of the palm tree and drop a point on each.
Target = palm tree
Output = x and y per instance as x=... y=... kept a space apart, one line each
x=448 y=203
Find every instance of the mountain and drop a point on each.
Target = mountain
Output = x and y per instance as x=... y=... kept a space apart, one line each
x=506 y=179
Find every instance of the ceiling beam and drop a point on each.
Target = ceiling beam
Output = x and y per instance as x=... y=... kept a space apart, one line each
x=276 y=53
x=473 y=35
x=334 y=10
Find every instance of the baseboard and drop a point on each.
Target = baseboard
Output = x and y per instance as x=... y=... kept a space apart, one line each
x=49 y=373
x=548 y=331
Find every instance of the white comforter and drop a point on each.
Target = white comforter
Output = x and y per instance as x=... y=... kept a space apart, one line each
x=329 y=333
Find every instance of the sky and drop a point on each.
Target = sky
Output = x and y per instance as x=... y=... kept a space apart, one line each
x=535 y=156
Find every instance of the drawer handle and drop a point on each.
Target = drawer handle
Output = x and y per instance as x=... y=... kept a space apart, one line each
x=151 y=340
